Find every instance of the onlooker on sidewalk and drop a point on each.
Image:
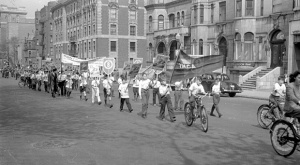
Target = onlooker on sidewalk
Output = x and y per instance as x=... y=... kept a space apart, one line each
x=123 y=90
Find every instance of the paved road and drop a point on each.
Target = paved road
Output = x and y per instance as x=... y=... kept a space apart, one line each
x=36 y=129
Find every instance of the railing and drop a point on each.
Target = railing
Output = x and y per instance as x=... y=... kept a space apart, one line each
x=242 y=79
x=267 y=81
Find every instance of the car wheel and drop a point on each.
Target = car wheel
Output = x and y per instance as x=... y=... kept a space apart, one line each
x=232 y=94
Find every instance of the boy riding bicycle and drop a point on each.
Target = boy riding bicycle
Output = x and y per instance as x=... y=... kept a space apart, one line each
x=195 y=89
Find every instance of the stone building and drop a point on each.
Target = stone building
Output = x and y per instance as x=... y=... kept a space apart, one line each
x=94 y=28
x=249 y=33
x=44 y=31
x=13 y=23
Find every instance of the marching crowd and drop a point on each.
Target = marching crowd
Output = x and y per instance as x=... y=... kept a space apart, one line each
x=61 y=84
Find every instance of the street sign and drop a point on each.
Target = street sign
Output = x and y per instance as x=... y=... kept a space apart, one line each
x=108 y=65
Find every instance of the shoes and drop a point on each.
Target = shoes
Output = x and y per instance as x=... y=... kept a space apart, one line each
x=143 y=116
x=110 y=106
x=161 y=118
x=86 y=99
x=100 y=103
x=220 y=115
x=130 y=110
x=121 y=110
x=173 y=120
x=212 y=114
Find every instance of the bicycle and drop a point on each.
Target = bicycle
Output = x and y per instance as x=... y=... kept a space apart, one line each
x=201 y=113
x=265 y=114
x=285 y=136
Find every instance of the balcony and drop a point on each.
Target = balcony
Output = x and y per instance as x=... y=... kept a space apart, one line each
x=73 y=39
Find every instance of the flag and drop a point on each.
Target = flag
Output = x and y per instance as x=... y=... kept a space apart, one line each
x=149 y=72
x=160 y=62
x=134 y=70
x=186 y=67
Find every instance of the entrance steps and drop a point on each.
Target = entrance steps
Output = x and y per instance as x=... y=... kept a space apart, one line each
x=250 y=83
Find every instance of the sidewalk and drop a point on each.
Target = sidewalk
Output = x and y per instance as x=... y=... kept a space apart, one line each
x=262 y=94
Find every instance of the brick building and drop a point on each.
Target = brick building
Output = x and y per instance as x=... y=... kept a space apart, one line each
x=249 y=33
x=106 y=28
x=13 y=23
x=44 y=31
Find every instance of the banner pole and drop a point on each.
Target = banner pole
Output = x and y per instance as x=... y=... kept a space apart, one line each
x=174 y=66
x=61 y=63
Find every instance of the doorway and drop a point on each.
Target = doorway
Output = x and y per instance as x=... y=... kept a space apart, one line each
x=277 y=49
x=173 y=48
x=223 y=49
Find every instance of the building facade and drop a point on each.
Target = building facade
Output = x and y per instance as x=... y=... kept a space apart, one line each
x=13 y=23
x=249 y=33
x=30 y=51
x=106 y=28
x=44 y=31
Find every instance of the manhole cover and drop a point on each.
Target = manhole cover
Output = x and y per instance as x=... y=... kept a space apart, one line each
x=52 y=144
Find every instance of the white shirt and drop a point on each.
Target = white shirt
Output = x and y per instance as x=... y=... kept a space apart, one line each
x=136 y=83
x=107 y=83
x=195 y=89
x=112 y=79
x=123 y=89
x=32 y=76
x=45 y=77
x=80 y=80
x=178 y=85
x=280 y=90
x=216 y=89
x=164 y=90
x=84 y=78
x=38 y=76
x=69 y=83
x=95 y=83
x=144 y=84
x=119 y=81
x=156 y=84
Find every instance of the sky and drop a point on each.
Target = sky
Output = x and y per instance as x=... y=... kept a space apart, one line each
x=30 y=5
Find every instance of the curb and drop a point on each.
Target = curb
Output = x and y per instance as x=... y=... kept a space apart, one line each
x=253 y=97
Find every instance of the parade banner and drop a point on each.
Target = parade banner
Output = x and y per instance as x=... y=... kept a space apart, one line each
x=149 y=72
x=108 y=65
x=187 y=67
x=134 y=70
x=126 y=69
x=138 y=61
x=95 y=67
x=69 y=59
x=84 y=66
x=160 y=62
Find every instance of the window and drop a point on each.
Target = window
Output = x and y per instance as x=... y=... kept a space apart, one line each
x=238 y=46
x=132 y=46
x=94 y=46
x=78 y=35
x=85 y=46
x=51 y=27
x=94 y=29
x=113 y=29
x=29 y=53
x=132 y=30
x=113 y=14
x=249 y=8
x=132 y=15
x=238 y=8
x=222 y=11
x=195 y=15
x=89 y=46
x=178 y=19
x=113 y=46
x=51 y=51
x=212 y=13
x=200 y=47
x=201 y=14
x=150 y=24
x=248 y=46
x=160 y=22
x=89 y=30
x=51 y=40
x=262 y=7
x=85 y=31
x=182 y=18
x=172 y=20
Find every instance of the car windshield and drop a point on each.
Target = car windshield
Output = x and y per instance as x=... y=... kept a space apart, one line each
x=223 y=77
x=207 y=76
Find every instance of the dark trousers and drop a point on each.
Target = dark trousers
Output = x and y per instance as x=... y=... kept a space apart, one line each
x=39 y=83
x=156 y=92
x=192 y=101
x=106 y=95
x=62 y=88
x=46 y=86
x=178 y=99
x=127 y=103
x=166 y=101
x=216 y=100
x=135 y=93
x=145 y=101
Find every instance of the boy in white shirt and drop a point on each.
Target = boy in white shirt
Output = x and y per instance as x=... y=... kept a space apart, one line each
x=155 y=84
x=135 y=88
x=144 y=86
x=216 y=91
x=195 y=89
x=84 y=79
x=123 y=90
x=277 y=96
x=120 y=81
x=164 y=91
x=95 y=90
x=69 y=84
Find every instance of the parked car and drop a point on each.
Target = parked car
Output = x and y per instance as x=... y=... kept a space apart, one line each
x=226 y=85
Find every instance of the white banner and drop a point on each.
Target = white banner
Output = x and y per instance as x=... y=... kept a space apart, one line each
x=94 y=67
x=72 y=60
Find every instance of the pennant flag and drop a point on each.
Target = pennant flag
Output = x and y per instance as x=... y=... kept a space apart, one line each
x=186 y=67
x=134 y=70
x=160 y=62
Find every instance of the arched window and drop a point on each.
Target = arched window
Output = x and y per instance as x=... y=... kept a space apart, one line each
x=182 y=18
x=178 y=19
x=195 y=15
x=194 y=44
x=150 y=52
x=150 y=24
x=238 y=46
x=248 y=46
x=172 y=21
x=201 y=14
x=200 y=47
x=160 y=22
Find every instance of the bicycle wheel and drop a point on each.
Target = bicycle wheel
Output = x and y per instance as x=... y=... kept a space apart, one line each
x=264 y=118
x=21 y=84
x=188 y=114
x=283 y=138
x=204 y=119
